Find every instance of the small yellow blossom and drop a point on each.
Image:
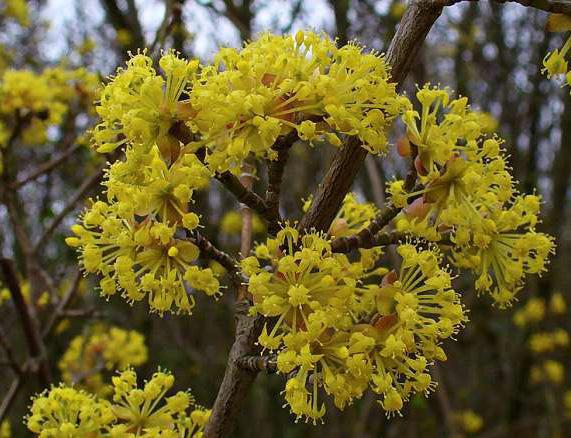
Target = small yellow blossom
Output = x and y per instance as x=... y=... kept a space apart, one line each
x=102 y=349
x=342 y=328
x=147 y=412
x=469 y=421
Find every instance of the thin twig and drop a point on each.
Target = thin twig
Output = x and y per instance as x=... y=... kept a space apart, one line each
x=58 y=313
x=87 y=185
x=275 y=175
x=10 y=397
x=10 y=358
x=210 y=251
x=243 y=195
x=46 y=168
x=552 y=6
x=34 y=341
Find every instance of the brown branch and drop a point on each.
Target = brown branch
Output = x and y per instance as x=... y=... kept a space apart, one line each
x=59 y=312
x=552 y=6
x=275 y=175
x=243 y=194
x=46 y=168
x=87 y=185
x=411 y=33
x=34 y=341
x=366 y=237
x=210 y=251
x=237 y=381
x=10 y=396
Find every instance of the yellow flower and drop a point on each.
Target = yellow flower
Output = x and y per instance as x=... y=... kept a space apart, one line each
x=507 y=251
x=352 y=217
x=103 y=348
x=277 y=84
x=557 y=304
x=550 y=371
x=140 y=258
x=340 y=328
x=140 y=106
x=469 y=421
x=147 y=412
x=67 y=412
x=544 y=342
x=144 y=185
x=555 y=63
x=532 y=312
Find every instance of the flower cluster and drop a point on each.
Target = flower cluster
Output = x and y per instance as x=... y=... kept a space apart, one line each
x=336 y=325
x=103 y=348
x=139 y=106
x=17 y=9
x=143 y=256
x=535 y=309
x=66 y=412
x=244 y=102
x=547 y=338
x=41 y=99
x=467 y=193
x=277 y=84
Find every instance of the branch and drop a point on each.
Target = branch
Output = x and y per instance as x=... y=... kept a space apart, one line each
x=244 y=195
x=366 y=237
x=209 y=250
x=552 y=6
x=47 y=167
x=10 y=396
x=411 y=33
x=87 y=185
x=237 y=381
x=62 y=306
x=34 y=341
x=275 y=175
